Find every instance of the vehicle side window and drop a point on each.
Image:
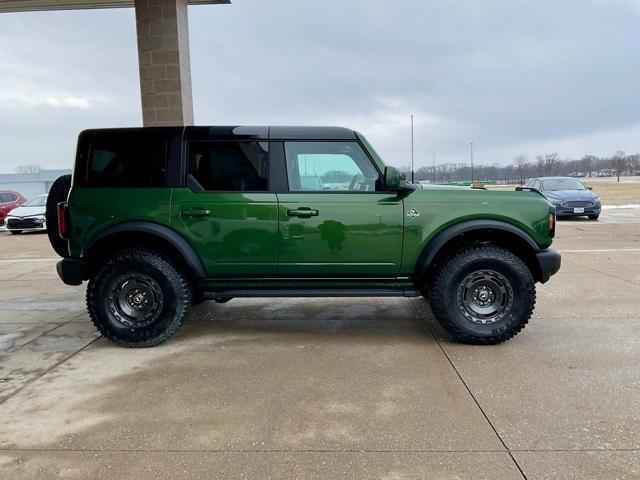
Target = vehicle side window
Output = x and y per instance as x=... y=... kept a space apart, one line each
x=127 y=160
x=329 y=166
x=6 y=197
x=229 y=166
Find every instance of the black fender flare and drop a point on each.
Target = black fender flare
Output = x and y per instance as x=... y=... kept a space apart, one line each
x=164 y=232
x=440 y=240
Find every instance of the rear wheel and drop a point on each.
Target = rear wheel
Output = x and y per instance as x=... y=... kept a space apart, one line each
x=482 y=295
x=58 y=192
x=138 y=298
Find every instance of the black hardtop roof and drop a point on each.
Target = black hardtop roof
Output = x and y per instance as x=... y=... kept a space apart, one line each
x=243 y=132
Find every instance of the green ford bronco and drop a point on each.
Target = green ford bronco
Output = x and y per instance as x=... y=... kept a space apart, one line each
x=157 y=219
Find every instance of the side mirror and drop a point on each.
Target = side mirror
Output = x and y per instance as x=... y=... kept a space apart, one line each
x=393 y=179
x=589 y=188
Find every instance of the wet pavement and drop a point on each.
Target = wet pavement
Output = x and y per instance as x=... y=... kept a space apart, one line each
x=328 y=388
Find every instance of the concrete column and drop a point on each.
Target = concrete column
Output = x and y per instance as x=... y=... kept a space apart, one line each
x=165 y=68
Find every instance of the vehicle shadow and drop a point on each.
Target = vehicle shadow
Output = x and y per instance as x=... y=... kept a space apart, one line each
x=351 y=316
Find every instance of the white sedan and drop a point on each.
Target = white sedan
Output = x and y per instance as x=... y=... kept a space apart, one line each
x=28 y=217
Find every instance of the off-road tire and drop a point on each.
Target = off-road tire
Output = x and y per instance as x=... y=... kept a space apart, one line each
x=172 y=285
x=58 y=192
x=593 y=217
x=446 y=290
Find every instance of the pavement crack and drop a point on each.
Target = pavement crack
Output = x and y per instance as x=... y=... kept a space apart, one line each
x=435 y=337
x=48 y=370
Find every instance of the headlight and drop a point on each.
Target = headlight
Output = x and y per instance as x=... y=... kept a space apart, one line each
x=597 y=200
x=39 y=218
x=554 y=200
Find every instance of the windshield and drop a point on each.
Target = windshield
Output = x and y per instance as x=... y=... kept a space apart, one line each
x=562 y=184
x=39 y=201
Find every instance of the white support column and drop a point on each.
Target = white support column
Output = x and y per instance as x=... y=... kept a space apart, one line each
x=163 y=56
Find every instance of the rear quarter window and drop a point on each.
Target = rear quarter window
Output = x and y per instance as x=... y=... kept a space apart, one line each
x=127 y=159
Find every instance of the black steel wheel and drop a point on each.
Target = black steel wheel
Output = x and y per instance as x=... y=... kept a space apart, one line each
x=138 y=298
x=484 y=294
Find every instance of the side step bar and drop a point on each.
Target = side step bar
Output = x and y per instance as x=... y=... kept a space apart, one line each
x=221 y=294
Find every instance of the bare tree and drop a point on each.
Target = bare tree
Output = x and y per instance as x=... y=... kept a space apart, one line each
x=520 y=163
x=633 y=162
x=522 y=168
x=618 y=162
x=29 y=168
x=587 y=163
x=539 y=166
x=550 y=161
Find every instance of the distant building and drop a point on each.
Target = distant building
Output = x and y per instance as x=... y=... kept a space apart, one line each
x=30 y=184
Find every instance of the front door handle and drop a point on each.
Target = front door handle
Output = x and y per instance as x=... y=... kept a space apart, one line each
x=196 y=212
x=302 y=212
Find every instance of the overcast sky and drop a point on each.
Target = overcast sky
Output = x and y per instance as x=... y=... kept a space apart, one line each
x=515 y=77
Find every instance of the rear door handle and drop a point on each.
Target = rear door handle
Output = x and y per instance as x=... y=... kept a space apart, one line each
x=302 y=212
x=196 y=212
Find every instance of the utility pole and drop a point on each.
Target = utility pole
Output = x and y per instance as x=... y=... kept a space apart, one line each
x=471 y=162
x=412 y=175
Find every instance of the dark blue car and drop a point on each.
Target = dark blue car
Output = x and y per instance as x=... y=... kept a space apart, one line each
x=569 y=195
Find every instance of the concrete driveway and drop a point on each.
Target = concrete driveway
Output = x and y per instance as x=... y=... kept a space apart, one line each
x=321 y=388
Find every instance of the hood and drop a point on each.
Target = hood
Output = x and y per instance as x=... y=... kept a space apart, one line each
x=27 y=211
x=572 y=194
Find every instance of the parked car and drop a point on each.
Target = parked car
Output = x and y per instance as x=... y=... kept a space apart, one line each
x=28 y=217
x=8 y=201
x=159 y=218
x=570 y=196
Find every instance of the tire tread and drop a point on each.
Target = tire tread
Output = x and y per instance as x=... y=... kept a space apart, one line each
x=437 y=291
x=175 y=275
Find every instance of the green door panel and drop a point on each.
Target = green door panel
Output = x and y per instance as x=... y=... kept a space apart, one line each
x=235 y=233
x=352 y=234
x=93 y=209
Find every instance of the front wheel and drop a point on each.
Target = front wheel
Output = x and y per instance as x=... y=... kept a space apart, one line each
x=138 y=298
x=16 y=232
x=594 y=217
x=482 y=295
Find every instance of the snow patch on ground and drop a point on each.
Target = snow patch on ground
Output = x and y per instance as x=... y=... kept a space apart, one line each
x=612 y=207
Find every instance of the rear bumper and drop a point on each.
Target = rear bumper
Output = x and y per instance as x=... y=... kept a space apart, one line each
x=70 y=271
x=548 y=263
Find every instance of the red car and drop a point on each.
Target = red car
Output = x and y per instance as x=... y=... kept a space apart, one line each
x=8 y=201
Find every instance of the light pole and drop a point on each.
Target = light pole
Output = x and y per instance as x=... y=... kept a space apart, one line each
x=471 y=162
x=412 y=176
x=434 y=168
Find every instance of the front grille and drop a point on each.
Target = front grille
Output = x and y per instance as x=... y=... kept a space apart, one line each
x=577 y=203
x=24 y=223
